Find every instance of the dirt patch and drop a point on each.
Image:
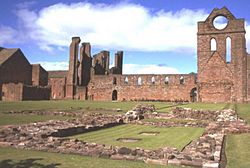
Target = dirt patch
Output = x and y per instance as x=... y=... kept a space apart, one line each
x=128 y=140
x=149 y=133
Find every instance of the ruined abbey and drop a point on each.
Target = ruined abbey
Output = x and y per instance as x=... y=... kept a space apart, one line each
x=223 y=74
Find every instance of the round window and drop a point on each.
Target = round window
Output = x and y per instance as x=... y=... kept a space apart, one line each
x=220 y=22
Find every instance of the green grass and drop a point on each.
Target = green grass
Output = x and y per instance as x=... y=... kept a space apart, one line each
x=155 y=120
x=64 y=105
x=238 y=151
x=243 y=111
x=15 y=158
x=176 y=137
x=197 y=106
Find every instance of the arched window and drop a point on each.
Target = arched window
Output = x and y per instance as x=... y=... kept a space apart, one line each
x=228 y=50
x=153 y=80
x=213 y=44
x=182 y=80
x=166 y=81
x=139 y=81
x=114 y=81
x=126 y=80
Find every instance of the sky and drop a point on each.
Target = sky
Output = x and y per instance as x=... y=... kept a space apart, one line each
x=157 y=36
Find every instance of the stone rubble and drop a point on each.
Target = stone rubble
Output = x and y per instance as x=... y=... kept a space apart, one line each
x=52 y=135
x=137 y=113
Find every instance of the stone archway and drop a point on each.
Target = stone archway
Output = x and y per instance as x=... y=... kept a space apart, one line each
x=114 y=95
x=193 y=95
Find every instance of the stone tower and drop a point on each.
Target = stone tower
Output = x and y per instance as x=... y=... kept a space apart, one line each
x=72 y=77
x=85 y=64
x=222 y=70
x=118 y=61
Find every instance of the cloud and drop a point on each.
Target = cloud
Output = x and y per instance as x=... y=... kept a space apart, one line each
x=8 y=35
x=123 y=26
x=148 y=69
x=49 y=66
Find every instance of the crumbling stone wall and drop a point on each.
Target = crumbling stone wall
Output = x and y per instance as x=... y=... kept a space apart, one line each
x=127 y=87
x=213 y=69
x=101 y=63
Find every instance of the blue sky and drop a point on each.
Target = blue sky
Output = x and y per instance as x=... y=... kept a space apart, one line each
x=157 y=36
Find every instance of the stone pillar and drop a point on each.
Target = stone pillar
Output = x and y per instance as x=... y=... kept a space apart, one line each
x=85 y=64
x=105 y=61
x=72 y=77
x=119 y=61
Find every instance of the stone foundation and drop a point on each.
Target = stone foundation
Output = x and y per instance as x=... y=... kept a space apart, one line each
x=51 y=137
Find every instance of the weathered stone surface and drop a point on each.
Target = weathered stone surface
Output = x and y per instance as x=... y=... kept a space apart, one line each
x=158 y=161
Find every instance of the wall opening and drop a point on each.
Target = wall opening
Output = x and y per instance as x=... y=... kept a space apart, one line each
x=114 y=95
x=153 y=80
x=166 y=81
x=220 y=22
x=182 y=81
x=193 y=95
x=228 y=50
x=139 y=81
x=213 y=44
x=126 y=80
x=114 y=81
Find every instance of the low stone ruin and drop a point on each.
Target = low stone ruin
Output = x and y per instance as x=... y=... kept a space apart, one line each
x=204 y=152
x=137 y=113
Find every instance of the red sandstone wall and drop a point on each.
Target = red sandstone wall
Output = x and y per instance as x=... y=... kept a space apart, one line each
x=12 y=92
x=235 y=30
x=58 y=86
x=102 y=87
x=248 y=77
x=81 y=93
x=216 y=81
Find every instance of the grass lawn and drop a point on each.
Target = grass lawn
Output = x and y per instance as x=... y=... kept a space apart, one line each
x=64 y=105
x=197 y=106
x=155 y=120
x=176 y=137
x=238 y=151
x=13 y=158
x=243 y=111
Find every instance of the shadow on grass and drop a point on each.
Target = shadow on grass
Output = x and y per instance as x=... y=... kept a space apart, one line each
x=8 y=163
